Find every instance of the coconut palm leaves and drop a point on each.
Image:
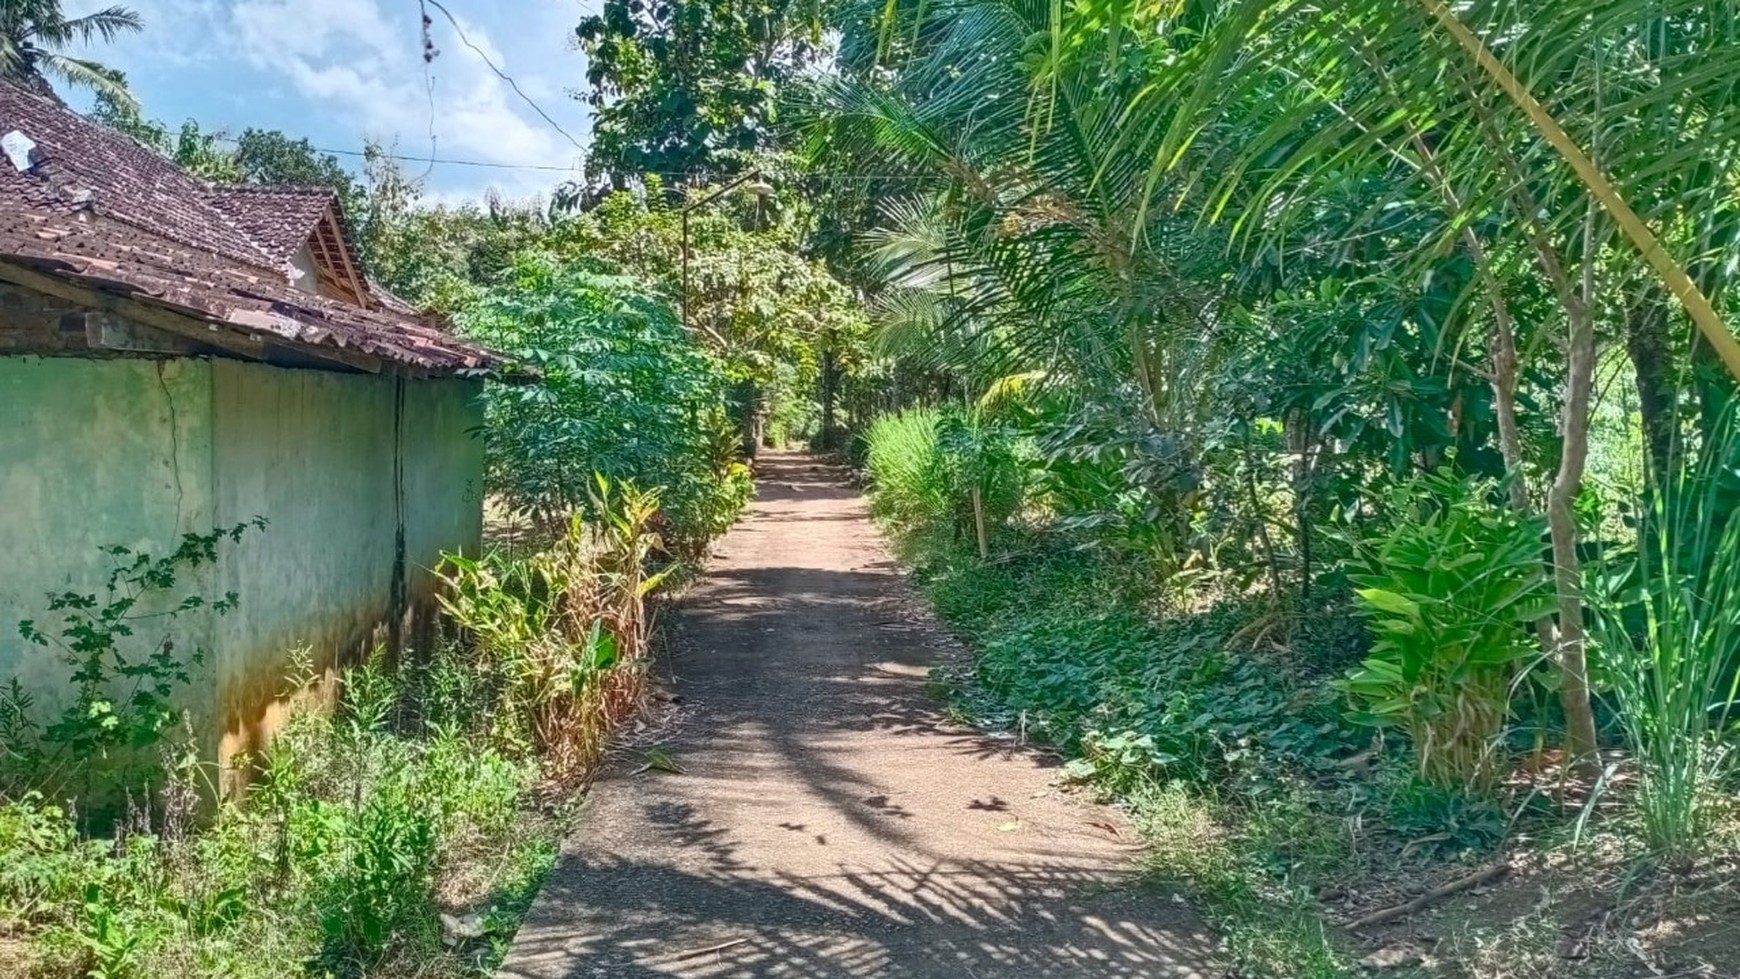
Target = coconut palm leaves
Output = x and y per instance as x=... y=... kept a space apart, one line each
x=1521 y=118
x=33 y=33
x=1553 y=139
x=1022 y=241
x=1165 y=196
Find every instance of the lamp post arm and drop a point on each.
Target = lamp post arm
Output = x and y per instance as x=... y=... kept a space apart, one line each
x=722 y=191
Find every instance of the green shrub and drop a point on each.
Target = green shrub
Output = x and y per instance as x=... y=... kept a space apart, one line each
x=560 y=638
x=1067 y=655
x=126 y=673
x=944 y=469
x=1452 y=817
x=622 y=389
x=356 y=834
x=909 y=484
x=1447 y=580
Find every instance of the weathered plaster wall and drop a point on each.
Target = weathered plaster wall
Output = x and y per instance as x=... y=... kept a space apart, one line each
x=443 y=478
x=95 y=453
x=364 y=481
x=338 y=463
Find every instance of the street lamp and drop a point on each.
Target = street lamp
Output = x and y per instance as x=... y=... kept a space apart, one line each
x=751 y=182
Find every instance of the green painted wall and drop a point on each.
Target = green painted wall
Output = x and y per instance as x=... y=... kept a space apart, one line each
x=95 y=453
x=98 y=452
x=444 y=479
x=323 y=457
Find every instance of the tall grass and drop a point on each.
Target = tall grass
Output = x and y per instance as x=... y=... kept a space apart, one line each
x=1668 y=624
x=905 y=462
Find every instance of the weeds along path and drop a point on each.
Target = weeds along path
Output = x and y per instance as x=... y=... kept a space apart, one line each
x=829 y=822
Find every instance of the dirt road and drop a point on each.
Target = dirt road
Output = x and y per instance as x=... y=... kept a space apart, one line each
x=830 y=823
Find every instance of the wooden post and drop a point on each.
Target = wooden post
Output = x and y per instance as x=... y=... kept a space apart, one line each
x=979 y=523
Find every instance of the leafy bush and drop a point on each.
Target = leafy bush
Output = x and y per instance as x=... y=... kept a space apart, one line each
x=1428 y=813
x=338 y=859
x=1067 y=656
x=410 y=798
x=124 y=684
x=946 y=468
x=560 y=637
x=622 y=389
x=1124 y=485
x=904 y=462
x=1448 y=579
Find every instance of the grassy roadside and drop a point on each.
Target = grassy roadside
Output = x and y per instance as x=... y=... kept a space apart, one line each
x=1279 y=820
x=401 y=826
x=1216 y=744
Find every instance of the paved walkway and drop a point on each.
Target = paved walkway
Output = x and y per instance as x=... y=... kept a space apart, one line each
x=831 y=823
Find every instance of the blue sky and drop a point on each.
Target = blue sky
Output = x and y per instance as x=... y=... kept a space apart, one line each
x=342 y=71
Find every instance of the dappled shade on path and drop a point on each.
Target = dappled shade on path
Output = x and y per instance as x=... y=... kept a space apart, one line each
x=830 y=822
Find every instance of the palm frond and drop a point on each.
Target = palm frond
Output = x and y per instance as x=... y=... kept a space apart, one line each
x=104 y=25
x=85 y=74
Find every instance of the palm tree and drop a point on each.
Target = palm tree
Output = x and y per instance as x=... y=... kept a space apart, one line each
x=1566 y=142
x=33 y=32
x=1564 y=147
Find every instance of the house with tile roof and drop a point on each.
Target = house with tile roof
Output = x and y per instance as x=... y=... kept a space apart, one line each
x=177 y=356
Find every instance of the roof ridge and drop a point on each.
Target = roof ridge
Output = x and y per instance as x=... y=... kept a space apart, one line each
x=249 y=187
x=123 y=175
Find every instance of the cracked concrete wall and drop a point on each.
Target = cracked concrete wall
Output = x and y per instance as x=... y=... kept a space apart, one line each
x=364 y=480
x=97 y=453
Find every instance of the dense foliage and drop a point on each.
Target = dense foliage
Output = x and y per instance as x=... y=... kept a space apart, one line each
x=620 y=389
x=1416 y=312
x=1258 y=304
x=689 y=91
x=360 y=830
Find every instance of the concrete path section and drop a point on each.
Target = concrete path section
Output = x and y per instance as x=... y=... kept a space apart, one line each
x=830 y=822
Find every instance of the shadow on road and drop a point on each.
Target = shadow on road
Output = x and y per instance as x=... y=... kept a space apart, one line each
x=831 y=821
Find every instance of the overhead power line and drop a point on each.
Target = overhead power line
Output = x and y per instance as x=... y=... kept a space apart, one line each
x=573 y=168
x=504 y=76
x=444 y=161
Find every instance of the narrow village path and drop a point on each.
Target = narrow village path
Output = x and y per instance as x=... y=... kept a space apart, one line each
x=830 y=822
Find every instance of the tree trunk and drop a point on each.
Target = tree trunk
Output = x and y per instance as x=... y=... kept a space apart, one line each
x=1301 y=441
x=1562 y=523
x=830 y=395
x=1262 y=519
x=1504 y=375
x=979 y=528
x=1652 y=357
x=754 y=413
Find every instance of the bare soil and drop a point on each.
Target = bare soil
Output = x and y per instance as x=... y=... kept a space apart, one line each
x=1592 y=916
x=828 y=820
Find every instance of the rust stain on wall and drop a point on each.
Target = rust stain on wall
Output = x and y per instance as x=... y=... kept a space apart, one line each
x=255 y=709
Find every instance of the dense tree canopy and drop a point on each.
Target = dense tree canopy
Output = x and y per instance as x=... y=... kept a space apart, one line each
x=1273 y=258
x=688 y=91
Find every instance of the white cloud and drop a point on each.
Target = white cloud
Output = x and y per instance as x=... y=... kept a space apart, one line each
x=346 y=54
x=357 y=66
